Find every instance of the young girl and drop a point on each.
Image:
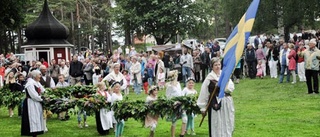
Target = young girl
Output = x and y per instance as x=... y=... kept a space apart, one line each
x=103 y=117
x=260 y=69
x=145 y=78
x=174 y=90
x=127 y=77
x=152 y=120
x=11 y=82
x=187 y=91
x=117 y=96
x=161 y=79
x=96 y=76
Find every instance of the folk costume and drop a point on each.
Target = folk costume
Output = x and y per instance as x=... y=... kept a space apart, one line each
x=103 y=116
x=32 y=116
x=221 y=115
x=113 y=77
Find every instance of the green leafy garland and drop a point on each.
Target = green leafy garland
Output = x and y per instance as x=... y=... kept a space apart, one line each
x=76 y=98
x=9 y=98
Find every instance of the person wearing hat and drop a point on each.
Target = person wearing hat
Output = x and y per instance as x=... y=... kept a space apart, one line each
x=174 y=90
x=221 y=114
x=135 y=70
x=32 y=115
x=190 y=91
x=116 y=76
x=152 y=120
x=311 y=56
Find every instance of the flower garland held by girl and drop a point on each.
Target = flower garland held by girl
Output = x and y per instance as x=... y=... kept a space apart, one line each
x=152 y=120
x=103 y=116
x=190 y=91
x=117 y=96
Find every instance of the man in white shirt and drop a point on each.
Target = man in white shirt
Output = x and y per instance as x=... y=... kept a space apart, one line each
x=186 y=62
x=64 y=70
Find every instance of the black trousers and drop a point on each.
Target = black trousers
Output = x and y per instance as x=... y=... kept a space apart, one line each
x=252 y=68
x=312 y=75
x=237 y=73
x=87 y=81
x=204 y=69
x=197 y=76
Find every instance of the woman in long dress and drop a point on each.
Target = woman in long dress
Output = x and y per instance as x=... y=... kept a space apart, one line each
x=32 y=115
x=152 y=120
x=103 y=117
x=190 y=91
x=220 y=114
x=174 y=90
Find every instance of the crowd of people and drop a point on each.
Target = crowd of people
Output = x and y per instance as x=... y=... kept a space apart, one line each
x=299 y=56
x=147 y=73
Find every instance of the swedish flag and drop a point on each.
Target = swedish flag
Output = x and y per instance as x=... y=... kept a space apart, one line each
x=235 y=45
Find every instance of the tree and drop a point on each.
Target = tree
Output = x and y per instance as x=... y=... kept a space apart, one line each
x=162 y=19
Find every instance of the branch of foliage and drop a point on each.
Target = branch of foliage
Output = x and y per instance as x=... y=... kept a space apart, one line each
x=9 y=98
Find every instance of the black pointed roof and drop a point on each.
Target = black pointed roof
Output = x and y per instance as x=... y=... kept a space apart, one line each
x=46 y=29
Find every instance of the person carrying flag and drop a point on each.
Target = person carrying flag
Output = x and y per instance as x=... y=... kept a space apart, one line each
x=221 y=119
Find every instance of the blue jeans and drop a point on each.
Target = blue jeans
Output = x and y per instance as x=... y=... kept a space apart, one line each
x=186 y=73
x=137 y=87
x=150 y=81
x=283 y=68
x=84 y=115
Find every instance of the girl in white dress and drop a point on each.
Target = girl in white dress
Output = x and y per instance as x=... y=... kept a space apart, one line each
x=174 y=90
x=152 y=120
x=117 y=96
x=190 y=91
x=103 y=117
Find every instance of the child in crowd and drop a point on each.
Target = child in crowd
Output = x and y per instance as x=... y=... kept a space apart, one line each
x=150 y=74
x=161 y=79
x=117 y=96
x=84 y=113
x=152 y=120
x=190 y=91
x=96 y=76
x=127 y=77
x=10 y=80
x=260 y=69
x=61 y=84
x=145 y=78
x=19 y=86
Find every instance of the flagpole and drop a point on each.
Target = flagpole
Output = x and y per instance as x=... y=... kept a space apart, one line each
x=207 y=107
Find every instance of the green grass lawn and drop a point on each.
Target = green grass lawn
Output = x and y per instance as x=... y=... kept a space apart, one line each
x=264 y=108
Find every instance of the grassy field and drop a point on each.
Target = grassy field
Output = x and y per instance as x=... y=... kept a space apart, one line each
x=264 y=108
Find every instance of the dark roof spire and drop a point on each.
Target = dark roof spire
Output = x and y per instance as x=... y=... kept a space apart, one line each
x=46 y=26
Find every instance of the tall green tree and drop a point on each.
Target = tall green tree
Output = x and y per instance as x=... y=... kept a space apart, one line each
x=163 y=19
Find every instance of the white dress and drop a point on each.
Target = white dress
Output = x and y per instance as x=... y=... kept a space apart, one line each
x=34 y=108
x=150 y=119
x=222 y=121
x=114 y=98
x=105 y=115
x=187 y=92
x=173 y=90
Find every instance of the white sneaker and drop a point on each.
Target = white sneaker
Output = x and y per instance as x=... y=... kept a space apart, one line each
x=46 y=129
x=86 y=125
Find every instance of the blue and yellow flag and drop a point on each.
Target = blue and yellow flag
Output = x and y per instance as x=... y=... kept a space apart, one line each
x=235 y=45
